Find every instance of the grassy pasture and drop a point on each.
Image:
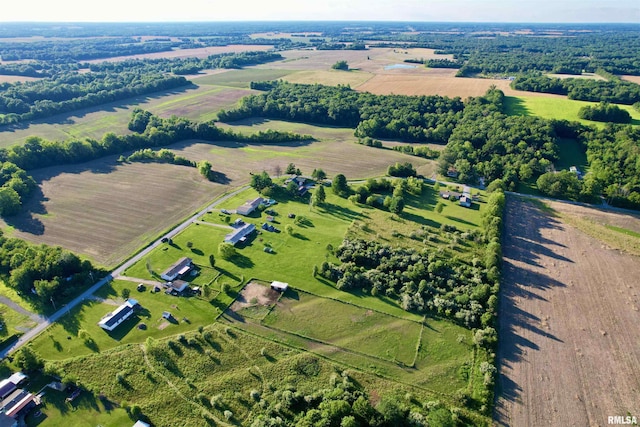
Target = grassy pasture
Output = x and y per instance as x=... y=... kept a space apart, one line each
x=555 y=107
x=329 y=77
x=240 y=78
x=61 y=341
x=355 y=328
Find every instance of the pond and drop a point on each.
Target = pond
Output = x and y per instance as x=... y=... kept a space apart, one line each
x=396 y=66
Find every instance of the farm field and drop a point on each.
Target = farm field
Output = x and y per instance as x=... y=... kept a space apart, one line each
x=105 y=210
x=199 y=103
x=237 y=363
x=568 y=352
x=240 y=78
x=201 y=52
x=434 y=364
x=556 y=107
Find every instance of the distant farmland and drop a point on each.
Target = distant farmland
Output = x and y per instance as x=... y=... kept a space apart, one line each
x=198 y=103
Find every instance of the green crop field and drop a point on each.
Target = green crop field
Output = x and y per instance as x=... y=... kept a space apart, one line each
x=549 y=107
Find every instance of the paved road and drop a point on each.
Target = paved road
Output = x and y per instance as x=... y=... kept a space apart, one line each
x=28 y=336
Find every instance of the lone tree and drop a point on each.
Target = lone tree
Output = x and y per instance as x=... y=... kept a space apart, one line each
x=212 y=261
x=397 y=205
x=204 y=167
x=340 y=65
x=339 y=185
x=226 y=250
x=319 y=196
x=261 y=181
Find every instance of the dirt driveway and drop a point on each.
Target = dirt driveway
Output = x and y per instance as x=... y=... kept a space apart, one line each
x=569 y=349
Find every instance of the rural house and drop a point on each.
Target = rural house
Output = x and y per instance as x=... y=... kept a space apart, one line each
x=119 y=315
x=249 y=206
x=239 y=234
x=180 y=268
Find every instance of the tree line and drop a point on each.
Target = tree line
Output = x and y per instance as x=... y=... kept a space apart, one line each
x=613 y=90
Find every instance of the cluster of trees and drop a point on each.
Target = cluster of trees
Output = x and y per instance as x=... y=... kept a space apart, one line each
x=419 y=151
x=614 y=169
x=341 y=65
x=412 y=118
x=611 y=50
x=487 y=143
x=604 y=112
x=43 y=274
x=15 y=186
x=402 y=170
x=421 y=280
x=158 y=156
x=612 y=90
x=344 y=403
x=444 y=63
x=69 y=50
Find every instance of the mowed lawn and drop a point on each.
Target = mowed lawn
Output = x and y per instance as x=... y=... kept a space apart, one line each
x=555 y=107
x=348 y=326
x=61 y=341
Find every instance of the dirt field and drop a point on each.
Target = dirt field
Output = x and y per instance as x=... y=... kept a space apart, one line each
x=202 y=52
x=634 y=79
x=569 y=314
x=259 y=294
x=14 y=79
x=106 y=211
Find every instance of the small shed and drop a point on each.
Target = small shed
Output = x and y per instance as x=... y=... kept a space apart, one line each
x=279 y=286
x=141 y=424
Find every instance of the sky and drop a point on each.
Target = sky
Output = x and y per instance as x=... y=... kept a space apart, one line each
x=569 y=11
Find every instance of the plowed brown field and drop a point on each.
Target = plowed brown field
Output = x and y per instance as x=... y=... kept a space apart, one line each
x=569 y=349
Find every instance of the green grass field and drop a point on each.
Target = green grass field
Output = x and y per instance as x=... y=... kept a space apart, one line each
x=240 y=78
x=556 y=108
x=343 y=325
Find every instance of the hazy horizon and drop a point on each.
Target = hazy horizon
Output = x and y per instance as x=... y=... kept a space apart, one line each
x=463 y=11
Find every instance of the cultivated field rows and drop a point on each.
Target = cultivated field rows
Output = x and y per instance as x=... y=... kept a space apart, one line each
x=569 y=313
